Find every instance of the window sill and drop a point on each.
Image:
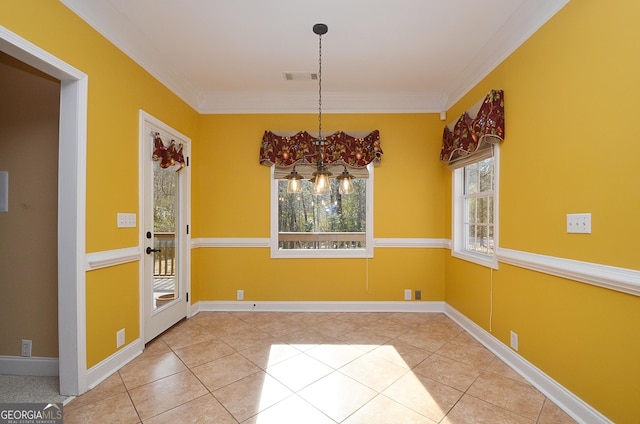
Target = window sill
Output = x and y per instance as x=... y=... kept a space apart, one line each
x=321 y=253
x=489 y=261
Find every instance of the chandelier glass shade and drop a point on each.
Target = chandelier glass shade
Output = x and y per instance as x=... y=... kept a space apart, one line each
x=294 y=184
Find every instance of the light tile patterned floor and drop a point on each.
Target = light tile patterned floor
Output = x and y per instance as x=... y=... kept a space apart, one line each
x=307 y=368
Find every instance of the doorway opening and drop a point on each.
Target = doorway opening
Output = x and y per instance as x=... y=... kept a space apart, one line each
x=71 y=206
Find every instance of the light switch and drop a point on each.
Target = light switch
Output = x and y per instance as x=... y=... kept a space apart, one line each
x=4 y=191
x=126 y=220
x=579 y=223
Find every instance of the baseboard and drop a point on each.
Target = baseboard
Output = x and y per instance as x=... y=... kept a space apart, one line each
x=570 y=403
x=33 y=365
x=313 y=306
x=100 y=372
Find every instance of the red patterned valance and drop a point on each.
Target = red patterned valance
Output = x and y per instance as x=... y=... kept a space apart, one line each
x=167 y=155
x=285 y=151
x=472 y=130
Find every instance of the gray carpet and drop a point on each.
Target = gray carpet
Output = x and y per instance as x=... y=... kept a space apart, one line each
x=30 y=389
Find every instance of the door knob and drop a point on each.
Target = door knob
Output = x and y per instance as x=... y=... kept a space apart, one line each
x=150 y=250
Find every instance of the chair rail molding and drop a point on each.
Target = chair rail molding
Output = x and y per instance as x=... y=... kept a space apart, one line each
x=619 y=279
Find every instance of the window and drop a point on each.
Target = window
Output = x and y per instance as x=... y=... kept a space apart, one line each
x=475 y=224
x=331 y=225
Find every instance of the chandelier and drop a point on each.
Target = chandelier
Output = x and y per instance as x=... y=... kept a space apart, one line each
x=321 y=177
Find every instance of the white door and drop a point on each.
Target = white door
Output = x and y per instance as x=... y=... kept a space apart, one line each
x=165 y=226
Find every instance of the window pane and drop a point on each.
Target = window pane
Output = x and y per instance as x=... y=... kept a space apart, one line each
x=482 y=210
x=485 y=169
x=471 y=179
x=490 y=209
x=471 y=217
x=327 y=221
x=478 y=203
x=490 y=245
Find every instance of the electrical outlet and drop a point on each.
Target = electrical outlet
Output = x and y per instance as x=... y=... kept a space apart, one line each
x=240 y=295
x=25 y=348
x=514 y=341
x=407 y=294
x=418 y=295
x=120 y=338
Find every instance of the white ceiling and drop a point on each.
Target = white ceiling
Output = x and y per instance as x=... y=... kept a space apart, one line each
x=229 y=56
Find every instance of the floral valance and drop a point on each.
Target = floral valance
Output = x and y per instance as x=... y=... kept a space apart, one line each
x=286 y=151
x=167 y=155
x=473 y=130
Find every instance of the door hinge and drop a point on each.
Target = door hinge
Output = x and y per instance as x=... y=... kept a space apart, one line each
x=187 y=228
x=187 y=158
x=187 y=296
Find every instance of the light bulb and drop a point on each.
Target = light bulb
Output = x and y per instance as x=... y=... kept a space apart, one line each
x=346 y=186
x=294 y=186
x=321 y=184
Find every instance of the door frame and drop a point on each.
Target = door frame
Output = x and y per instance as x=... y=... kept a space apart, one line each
x=72 y=163
x=184 y=251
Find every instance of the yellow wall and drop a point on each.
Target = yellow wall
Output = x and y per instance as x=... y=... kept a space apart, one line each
x=118 y=88
x=571 y=95
x=231 y=199
x=111 y=293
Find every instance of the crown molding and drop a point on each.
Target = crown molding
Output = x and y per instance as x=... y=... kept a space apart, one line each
x=307 y=102
x=107 y=20
x=528 y=19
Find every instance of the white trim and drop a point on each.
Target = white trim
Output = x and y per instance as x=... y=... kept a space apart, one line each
x=100 y=372
x=105 y=18
x=72 y=189
x=489 y=261
x=34 y=365
x=619 y=279
x=313 y=306
x=153 y=323
x=114 y=257
x=567 y=401
x=457 y=213
x=530 y=16
x=230 y=242
x=277 y=253
x=613 y=278
x=217 y=102
x=425 y=243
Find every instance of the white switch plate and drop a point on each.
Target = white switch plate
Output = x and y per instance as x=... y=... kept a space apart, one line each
x=240 y=295
x=407 y=294
x=579 y=223
x=4 y=191
x=120 y=338
x=126 y=220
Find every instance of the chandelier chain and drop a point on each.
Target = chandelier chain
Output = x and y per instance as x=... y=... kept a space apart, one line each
x=320 y=88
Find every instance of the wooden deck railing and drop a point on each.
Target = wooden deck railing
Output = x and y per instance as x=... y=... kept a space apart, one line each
x=165 y=259
x=291 y=240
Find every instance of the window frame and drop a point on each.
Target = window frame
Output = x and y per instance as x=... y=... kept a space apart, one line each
x=276 y=252
x=459 y=237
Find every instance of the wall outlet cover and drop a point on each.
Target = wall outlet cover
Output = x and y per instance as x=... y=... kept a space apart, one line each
x=25 y=348
x=514 y=341
x=407 y=294
x=120 y=338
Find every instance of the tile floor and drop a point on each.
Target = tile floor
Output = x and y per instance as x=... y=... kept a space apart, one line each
x=308 y=368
